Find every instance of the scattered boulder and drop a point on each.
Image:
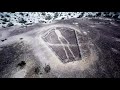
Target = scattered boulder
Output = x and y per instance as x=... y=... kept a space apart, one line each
x=3 y=40
x=21 y=64
x=37 y=70
x=47 y=68
x=10 y=24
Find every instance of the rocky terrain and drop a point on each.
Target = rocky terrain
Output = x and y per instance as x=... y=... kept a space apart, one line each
x=8 y=19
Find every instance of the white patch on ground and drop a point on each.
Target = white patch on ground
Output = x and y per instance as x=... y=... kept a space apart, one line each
x=116 y=39
x=115 y=50
x=85 y=33
x=20 y=74
x=92 y=26
x=114 y=24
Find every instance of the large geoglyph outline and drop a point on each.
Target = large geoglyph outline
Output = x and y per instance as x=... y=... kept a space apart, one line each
x=60 y=36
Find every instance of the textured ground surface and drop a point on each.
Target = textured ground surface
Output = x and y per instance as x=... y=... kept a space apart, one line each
x=8 y=19
x=67 y=48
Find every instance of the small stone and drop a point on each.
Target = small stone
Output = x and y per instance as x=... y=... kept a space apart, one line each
x=115 y=16
x=69 y=13
x=21 y=64
x=21 y=20
x=5 y=20
x=63 y=18
x=48 y=17
x=2 y=16
x=21 y=13
x=21 y=38
x=10 y=24
x=98 y=14
x=26 y=14
x=81 y=15
x=56 y=15
x=2 y=40
x=43 y=13
x=7 y=15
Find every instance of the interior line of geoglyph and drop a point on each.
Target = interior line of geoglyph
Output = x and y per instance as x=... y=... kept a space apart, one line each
x=60 y=36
